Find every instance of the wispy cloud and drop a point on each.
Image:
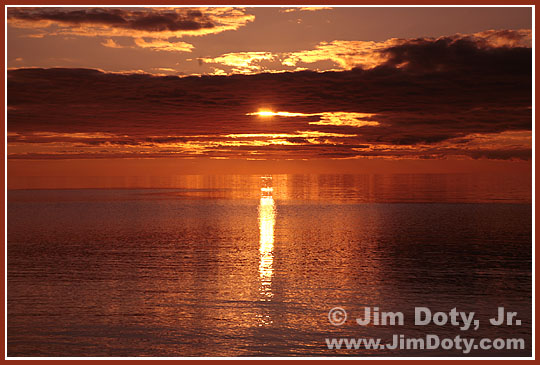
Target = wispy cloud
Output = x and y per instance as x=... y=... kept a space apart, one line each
x=150 y=28
x=111 y=44
x=326 y=118
x=242 y=62
x=150 y=22
x=346 y=55
x=164 y=45
x=305 y=8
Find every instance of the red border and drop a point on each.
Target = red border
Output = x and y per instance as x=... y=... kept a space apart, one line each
x=247 y=3
x=223 y=2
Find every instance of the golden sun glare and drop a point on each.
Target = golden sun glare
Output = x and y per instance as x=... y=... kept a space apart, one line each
x=265 y=113
x=269 y=113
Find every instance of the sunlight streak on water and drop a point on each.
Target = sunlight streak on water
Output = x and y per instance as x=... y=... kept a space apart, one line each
x=267 y=221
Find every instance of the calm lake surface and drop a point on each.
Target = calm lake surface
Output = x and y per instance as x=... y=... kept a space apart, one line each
x=203 y=266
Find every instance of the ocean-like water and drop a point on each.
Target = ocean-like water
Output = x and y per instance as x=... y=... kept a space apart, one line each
x=203 y=266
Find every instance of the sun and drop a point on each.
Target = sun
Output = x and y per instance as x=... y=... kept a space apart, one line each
x=265 y=113
x=269 y=113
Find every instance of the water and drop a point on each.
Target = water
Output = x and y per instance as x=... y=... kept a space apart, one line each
x=202 y=266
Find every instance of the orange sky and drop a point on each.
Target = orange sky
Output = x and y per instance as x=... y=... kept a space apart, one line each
x=101 y=91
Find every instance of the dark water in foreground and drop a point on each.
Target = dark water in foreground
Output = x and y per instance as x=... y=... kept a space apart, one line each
x=210 y=269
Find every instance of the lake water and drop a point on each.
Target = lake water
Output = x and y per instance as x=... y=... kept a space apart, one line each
x=202 y=266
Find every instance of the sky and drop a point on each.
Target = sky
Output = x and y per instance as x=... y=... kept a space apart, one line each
x=202 y=90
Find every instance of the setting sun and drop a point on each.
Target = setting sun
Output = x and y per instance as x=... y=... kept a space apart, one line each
x=265 y=113
x=269 y=113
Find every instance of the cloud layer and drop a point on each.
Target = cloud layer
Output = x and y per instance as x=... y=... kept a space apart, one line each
x=157 y=24
x=346 y=55
x=425 y=98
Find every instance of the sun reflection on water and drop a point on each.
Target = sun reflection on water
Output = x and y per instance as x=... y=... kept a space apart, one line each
x=267 y=220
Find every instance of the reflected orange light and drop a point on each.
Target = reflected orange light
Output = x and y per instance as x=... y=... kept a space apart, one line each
x=267 y=221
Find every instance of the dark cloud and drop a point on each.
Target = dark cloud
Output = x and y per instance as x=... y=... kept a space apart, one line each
x=114 y=17
x=431 y=99
x=464 y=54
x=148 y=20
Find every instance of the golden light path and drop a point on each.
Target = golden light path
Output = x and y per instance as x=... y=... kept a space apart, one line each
x=326 y=118
x=267 y=220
